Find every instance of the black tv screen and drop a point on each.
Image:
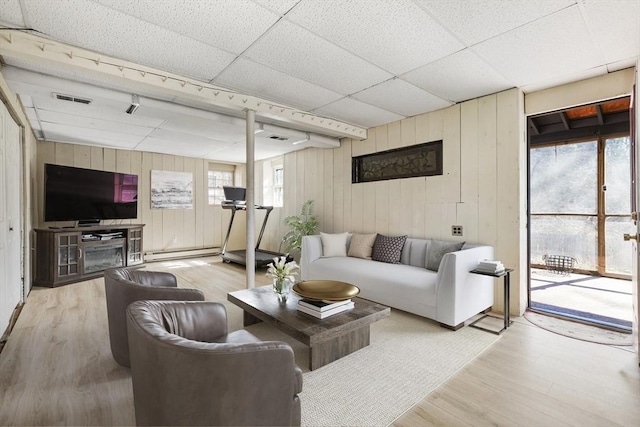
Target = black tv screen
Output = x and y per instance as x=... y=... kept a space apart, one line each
x=74 y=194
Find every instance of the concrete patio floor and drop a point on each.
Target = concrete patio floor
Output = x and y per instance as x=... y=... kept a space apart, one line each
x=601 y=300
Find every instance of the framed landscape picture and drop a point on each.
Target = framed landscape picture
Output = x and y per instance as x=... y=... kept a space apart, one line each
x=171 y=190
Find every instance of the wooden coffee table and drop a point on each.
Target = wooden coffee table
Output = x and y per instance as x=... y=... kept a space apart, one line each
x=328 y=339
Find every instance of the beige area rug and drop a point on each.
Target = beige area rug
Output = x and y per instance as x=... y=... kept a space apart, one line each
x=579 y=331
x=407 y=359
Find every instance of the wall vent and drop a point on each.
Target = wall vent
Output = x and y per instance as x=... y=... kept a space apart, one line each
x=72 y=98
x=279 y=138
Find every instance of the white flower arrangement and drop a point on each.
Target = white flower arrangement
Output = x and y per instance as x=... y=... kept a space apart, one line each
x=281 y=269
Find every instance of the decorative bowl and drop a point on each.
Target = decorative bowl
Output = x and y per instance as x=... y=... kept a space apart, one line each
x=327 y=290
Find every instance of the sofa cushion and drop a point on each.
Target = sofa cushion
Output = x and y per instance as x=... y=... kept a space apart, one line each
x=388 y=249
x=418 y=253
x=437 y=249
x=334 y=244
x=361 y=245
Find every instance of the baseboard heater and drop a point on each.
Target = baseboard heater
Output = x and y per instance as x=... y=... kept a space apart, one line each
x=181 y=253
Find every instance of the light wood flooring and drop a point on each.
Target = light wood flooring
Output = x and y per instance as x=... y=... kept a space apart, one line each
x=57 y=369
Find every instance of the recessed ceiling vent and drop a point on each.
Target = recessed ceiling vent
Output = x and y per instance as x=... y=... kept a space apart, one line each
x=278 y=138
x=72 y=98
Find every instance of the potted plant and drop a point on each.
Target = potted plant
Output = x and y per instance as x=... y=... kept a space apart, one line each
x=304 y=224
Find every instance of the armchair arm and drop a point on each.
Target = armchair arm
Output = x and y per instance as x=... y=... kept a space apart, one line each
x=311 y=251
x=460 y=294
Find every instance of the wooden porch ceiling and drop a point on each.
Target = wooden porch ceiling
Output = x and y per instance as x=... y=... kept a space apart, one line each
x=604 y=118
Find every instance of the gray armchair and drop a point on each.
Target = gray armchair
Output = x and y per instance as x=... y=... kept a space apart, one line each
x=124 y=286
x=188 y=370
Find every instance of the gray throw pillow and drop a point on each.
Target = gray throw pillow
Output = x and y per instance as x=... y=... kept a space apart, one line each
x=388 y=249
x=437 y=249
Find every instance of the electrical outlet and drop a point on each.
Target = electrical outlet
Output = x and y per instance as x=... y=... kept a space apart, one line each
x=456 y=230
x=175 y=239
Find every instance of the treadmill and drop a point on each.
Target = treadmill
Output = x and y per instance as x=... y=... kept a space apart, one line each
x=235 y=201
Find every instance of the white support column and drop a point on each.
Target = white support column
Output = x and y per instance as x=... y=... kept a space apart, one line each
x=251 y=210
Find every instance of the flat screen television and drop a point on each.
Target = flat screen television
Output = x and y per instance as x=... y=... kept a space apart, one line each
x=76 y=194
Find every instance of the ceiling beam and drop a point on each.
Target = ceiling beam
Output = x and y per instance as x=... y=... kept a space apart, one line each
x=565 y=122
x=599 y=113
x=74 y=61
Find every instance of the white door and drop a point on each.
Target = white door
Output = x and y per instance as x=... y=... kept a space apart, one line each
x=635 y=164
x=10 y=220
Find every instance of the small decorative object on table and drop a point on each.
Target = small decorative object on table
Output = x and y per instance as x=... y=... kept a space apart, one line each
x=283 y=274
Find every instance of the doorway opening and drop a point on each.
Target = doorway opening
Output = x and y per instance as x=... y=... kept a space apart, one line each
x=579 y=208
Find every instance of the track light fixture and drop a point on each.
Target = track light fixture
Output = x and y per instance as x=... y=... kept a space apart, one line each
x=135 y=103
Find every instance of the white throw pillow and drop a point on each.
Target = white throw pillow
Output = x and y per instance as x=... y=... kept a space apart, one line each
x=334 y=244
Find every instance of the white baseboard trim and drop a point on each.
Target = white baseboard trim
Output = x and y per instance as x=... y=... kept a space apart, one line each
x=180 y=253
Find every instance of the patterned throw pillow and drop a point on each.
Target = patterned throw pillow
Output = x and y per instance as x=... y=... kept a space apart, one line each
x=388 y=249
x=437 y=249
x=361 y=245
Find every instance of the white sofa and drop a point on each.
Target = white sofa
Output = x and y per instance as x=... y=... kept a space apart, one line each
x=449 y=296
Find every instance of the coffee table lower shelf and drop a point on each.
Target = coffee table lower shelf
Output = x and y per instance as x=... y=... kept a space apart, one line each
x=328 y=339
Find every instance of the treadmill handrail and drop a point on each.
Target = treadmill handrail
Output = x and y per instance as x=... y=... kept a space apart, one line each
x=242 y=207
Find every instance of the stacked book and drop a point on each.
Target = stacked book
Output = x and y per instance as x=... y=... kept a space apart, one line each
x=323 y=309
x=493 y=267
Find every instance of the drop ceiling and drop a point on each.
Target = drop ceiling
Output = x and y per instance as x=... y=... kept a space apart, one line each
x=362 y=62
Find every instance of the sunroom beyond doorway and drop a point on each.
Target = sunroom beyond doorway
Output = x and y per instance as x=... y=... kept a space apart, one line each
x=580 y=205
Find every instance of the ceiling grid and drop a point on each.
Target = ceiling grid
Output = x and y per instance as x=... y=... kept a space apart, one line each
x=356 y=63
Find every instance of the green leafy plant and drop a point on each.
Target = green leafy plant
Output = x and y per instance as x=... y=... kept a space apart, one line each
x=301 y=225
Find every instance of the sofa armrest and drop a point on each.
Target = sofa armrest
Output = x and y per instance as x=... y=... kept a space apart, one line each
x=459 y=293
x=311 y=251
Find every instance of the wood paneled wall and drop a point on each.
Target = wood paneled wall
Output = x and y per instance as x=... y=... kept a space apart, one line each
x=203 y=226
x=482 y=188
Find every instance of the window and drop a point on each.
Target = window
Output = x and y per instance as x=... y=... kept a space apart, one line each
x=273 y=182
x=216 y=179
x=278 y=186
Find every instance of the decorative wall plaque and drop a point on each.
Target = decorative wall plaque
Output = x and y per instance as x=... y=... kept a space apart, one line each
x=406 y=162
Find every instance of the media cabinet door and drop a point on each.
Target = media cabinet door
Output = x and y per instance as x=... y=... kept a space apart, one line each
x=68 y=256
x=134 y=246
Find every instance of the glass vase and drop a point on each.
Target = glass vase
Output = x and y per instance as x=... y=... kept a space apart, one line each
x=282 y=287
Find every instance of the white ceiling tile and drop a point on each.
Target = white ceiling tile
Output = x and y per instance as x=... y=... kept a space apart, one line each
x=184 y=138
x=159 y=145
x=78 y=135
x=10 y=13
x=475 y=21
x=229 y=25
x=204 y=128
x=458 y=77
x=402 y=98
x=33 y=118
x=26 y=100
x=548 y=48
x=99 y=111
x=92 y=123
x=231 y=155
x=358 y=113
x=278 y=6
x=250 y=77
x=398 y=35
x=613 y=21
x=295 y=51
x=108 y=31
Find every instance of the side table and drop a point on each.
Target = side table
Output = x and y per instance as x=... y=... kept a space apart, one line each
x=506 y=274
